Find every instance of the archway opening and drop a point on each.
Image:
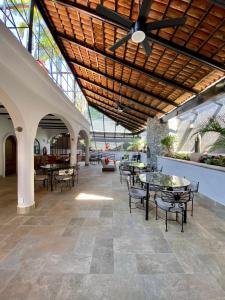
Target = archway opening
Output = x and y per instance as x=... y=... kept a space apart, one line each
x=10 y=155
x=8 y=160
x=53 y=142
x=8 y=149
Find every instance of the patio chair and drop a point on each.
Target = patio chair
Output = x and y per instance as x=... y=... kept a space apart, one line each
x=76 y=173
x=135 y=193
x=41 y=178
x=65 y=177
x=193 y=188
x=173 y=202
x=124 y=172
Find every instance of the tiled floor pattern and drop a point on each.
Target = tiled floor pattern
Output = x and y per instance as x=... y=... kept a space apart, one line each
x=84 y=244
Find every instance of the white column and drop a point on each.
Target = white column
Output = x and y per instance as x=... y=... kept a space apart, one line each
x=73 y=149
x=25 y=171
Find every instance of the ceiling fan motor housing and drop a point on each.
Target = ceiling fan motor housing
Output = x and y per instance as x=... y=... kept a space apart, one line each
x=138 y=35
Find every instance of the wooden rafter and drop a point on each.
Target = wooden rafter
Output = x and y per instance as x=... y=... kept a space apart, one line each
x=128 y=85
x=152 y=37
x=129 y=100
x=133 y=67
x=128 y=117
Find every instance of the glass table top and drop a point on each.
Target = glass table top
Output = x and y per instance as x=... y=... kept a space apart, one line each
x=137 y=165
x=164 y=180
x=57 y=166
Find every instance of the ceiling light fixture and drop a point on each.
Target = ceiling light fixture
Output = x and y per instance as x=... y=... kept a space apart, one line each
x=138 y=36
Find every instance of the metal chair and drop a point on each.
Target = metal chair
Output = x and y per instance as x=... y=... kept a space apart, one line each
x=193 y=188
x=76 y=173
x=65 y=177
x=41 y=178
x=124 y=172
x=173 y=202
x=135 y=193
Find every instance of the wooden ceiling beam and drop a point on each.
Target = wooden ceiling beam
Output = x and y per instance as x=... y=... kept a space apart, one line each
x=130 y=121
x=147 y=94
x=152 y=37
x=121 y=122
x=133 y=67
x=112 y=109
x=112 y=115
x=115 y=106
x=145 y=106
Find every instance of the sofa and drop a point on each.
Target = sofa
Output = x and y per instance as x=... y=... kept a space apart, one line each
x=108 y=164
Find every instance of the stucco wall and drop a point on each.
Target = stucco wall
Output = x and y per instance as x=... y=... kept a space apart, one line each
x=29 y=94
x=211 y=178
x=190 y=122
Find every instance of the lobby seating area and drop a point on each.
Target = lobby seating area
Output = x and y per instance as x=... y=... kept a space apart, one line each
x=85 y=244
x=112 y=150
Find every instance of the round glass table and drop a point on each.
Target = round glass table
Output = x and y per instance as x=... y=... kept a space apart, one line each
x=137 y=165
x=169 y=182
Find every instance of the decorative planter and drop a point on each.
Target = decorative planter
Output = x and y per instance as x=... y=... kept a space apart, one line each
x=211 y=178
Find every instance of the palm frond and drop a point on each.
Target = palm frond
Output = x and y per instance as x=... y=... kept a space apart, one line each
x=219 y=143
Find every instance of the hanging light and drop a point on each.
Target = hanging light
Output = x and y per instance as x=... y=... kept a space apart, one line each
x=120 y=107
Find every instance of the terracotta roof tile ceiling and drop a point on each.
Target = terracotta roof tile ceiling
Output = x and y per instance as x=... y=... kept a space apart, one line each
x=184 y=59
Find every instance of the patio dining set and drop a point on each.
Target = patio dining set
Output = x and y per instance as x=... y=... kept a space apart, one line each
x=64 y=175
x=149 y=187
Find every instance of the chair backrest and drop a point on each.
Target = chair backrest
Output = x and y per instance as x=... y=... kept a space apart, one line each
x=66 y=172
x=175 y=196
x=124 y=168
x=155 y=188
x=194 y=186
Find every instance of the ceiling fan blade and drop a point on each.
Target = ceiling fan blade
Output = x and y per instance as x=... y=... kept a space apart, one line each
x=165 y=23
x=144 y=10
x=113 y=16
x=146 y=46
x=120 y=42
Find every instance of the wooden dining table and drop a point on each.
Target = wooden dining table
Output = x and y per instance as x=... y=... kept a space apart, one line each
x=169 y=182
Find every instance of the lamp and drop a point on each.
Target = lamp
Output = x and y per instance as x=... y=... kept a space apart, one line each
x=191 y=126
x=120 y=107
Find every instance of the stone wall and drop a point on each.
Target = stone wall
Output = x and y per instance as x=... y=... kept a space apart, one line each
x=156 y=131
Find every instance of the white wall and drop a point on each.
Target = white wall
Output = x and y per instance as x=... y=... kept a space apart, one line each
x=196 y=118
x=6 y=129
x=211 y=178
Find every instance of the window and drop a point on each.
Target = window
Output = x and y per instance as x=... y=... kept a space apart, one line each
x=37 y=149
x=15 y=14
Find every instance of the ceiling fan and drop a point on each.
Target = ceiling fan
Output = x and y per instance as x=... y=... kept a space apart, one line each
x=120 y=108
x=139 y=29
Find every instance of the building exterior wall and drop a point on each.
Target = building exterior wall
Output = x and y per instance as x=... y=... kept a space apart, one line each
x=28 y=94
x=191 y=122
x=210 y=178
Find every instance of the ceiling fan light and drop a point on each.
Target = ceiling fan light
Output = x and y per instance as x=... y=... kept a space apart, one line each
x=120 y=108
x=138 y=36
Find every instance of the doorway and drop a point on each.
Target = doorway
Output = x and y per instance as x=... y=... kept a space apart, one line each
x=10 y=155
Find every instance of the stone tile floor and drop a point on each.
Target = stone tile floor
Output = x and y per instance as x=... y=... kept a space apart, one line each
x=84 y=244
